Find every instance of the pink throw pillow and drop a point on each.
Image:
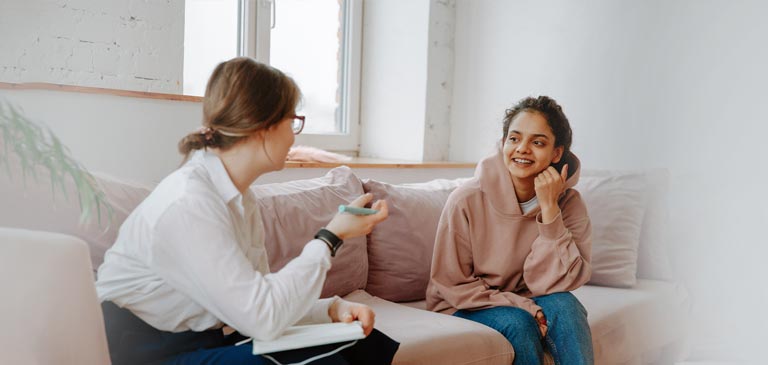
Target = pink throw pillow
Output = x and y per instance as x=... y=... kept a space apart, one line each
x=400 y=248
x=294 y=211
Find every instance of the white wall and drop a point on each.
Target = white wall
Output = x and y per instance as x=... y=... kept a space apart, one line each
x=118 y=44
x=129 y=138
x=135 y=139
x=675 y=84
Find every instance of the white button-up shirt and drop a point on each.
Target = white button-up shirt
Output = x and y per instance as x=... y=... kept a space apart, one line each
x=192 y=257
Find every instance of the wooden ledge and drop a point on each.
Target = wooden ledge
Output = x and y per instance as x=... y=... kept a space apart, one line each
x=97 y=90
x=375 y=163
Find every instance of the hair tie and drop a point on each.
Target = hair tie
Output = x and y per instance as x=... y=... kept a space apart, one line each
x=207 y=132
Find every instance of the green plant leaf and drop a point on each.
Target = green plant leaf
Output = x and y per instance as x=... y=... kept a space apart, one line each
x=38 y=147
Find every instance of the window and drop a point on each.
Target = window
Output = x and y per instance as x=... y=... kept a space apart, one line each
x=317 y=42
x=210 y=37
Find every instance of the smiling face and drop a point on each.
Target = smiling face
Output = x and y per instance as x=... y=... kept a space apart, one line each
x=529 y=147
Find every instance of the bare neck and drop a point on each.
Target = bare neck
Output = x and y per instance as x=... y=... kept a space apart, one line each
x=242 y=165
x=524 y=189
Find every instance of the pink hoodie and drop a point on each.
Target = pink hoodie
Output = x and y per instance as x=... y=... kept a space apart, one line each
x=488 y=254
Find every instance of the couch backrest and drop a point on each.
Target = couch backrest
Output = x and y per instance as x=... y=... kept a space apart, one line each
x=627 y=208
x=33 y=202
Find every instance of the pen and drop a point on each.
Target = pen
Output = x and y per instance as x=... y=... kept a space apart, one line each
x=356 y=210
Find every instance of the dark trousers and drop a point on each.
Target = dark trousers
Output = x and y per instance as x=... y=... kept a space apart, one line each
x=133 y=342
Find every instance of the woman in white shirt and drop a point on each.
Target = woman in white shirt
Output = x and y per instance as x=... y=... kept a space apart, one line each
x=191 y=259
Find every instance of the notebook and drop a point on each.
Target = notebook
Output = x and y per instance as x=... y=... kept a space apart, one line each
x=297 y=337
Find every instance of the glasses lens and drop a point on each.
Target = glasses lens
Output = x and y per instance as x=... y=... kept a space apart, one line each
x=297 y=125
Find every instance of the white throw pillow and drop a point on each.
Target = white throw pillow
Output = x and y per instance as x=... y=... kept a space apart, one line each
x=616 y=202
x=653 y=261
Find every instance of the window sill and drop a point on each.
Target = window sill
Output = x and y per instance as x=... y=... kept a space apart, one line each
x=97 y=90
x=375 y=163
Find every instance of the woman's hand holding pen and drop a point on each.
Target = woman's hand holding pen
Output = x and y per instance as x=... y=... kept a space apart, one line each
x=344 y=311
x=346 y=225
x=549 y=184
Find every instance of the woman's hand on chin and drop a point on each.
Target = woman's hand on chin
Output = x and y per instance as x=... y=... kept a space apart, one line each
x=549 y=184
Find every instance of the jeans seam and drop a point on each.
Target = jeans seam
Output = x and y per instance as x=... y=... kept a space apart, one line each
x=552 y=348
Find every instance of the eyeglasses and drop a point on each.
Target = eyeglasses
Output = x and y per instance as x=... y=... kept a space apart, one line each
x=297 y=124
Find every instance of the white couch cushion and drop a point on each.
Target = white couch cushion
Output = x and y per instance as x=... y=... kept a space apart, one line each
x=51 y=314
x=433 y=338
x=653 y=260
x=651 y=250
x=616 y=202
x=627 y=324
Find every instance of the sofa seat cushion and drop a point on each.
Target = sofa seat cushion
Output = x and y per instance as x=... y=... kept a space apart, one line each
x=434 y=338
x=628 y=324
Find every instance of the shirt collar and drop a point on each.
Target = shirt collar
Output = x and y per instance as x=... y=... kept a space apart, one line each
x=219 y=176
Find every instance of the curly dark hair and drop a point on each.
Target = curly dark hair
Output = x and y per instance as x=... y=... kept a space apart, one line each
x=554 y=115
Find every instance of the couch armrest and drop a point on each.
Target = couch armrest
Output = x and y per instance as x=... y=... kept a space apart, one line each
x=50 y=311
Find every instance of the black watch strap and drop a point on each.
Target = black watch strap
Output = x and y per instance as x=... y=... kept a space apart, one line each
x=332 y=240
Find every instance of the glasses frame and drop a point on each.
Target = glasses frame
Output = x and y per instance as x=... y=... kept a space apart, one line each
x=303 y=120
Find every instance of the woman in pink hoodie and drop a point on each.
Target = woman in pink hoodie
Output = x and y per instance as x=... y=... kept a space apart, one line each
x=516 y=239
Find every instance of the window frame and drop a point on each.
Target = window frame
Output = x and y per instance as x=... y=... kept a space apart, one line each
x=255 y=23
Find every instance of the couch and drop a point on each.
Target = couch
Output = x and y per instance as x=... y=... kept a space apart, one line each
x=636 y=310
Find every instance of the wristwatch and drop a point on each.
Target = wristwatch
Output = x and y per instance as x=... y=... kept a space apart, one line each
x=332 y=240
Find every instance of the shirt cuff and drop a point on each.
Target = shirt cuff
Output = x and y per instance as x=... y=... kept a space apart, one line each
x=319 y=312
x=532 y=308
x=318 y=249
x=552 y=230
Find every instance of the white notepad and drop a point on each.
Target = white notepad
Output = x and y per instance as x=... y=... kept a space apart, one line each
x=297 y=337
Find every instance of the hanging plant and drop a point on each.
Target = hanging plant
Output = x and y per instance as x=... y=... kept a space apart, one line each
x=38 y=149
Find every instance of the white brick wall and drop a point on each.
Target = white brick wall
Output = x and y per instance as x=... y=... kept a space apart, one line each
x=121 y=44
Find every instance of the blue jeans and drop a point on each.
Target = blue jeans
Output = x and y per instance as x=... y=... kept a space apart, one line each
x=568 y=337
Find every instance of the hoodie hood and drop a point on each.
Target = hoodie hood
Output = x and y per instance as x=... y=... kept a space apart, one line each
x=497 y=185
